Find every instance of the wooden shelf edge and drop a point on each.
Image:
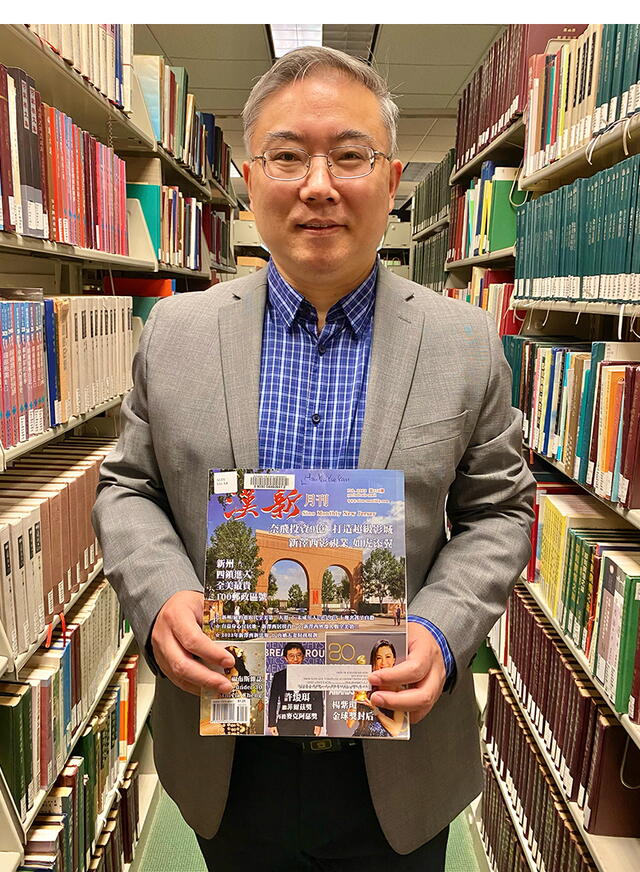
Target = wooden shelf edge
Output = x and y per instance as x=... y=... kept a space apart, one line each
x=535 y=590
x=480 y=260
x=502 y=140
x=574 y=165
x=41 y=795
x=626 y=850
x=431 y=229
x=630 y=515
x=9 y=454
x=531 y=863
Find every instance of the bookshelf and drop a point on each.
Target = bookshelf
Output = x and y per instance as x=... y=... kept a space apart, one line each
x=431 y=229
x=608 y=852
x=503 y=255
x=579 y=307
x=10 y=861
x=149 y=793
x=602 y=152
x=531 y=863
x=473 y=820
x=534 y=589
x=504 y=146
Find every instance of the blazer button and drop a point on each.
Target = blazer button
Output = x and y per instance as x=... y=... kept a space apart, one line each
x=315 y=418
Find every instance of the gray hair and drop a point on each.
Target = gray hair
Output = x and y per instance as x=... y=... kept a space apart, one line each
x=297 y=63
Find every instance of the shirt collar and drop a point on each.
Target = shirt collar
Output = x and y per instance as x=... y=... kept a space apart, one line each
x=357 y=305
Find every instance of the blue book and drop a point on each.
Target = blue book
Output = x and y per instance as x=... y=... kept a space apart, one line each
x=52 y=360
x=209 y=122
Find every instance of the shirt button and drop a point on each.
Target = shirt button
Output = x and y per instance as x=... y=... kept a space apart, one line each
x=322 y=349
x=315 y=418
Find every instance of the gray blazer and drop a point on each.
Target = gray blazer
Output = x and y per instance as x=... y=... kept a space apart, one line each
x=438 y=408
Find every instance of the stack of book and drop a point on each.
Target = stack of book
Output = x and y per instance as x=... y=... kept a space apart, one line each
x=584 y=740
x=59 y=356
x=217 y=232
x=582 y=241
x=483 y=218
x=40 y=715
x=65 y=833
x=101 y=53
x=431 y=196
x=589 y=572
x=498 y=833
x=56 y=181
x=590 y=82
x=181 y=229
x=49 y=545
x=491 y=290
x=192 y=137
x=550 y=831
x=498 y=91
x=428 y=261
x=580 y=404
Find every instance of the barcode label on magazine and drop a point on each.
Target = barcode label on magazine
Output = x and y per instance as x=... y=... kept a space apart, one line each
x=230 y=711
x=261 y=481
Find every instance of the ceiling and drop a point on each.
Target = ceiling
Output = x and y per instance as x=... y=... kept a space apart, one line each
x=426 y=66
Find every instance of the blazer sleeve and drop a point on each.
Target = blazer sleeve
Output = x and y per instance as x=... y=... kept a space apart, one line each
x=144 y=557
x=490 y=509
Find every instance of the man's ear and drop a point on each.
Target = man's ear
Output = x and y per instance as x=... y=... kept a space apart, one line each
x=395 y=173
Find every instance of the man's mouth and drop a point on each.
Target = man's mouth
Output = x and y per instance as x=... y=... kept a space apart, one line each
x=320 y=226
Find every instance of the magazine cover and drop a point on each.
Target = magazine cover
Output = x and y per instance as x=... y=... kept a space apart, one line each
x=305 y=585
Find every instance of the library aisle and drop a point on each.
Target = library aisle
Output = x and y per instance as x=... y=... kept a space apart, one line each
x=171 y=846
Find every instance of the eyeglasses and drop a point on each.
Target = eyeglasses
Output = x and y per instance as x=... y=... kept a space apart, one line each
x=343 y=162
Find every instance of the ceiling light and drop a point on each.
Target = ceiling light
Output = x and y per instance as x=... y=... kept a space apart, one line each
x=286 y=37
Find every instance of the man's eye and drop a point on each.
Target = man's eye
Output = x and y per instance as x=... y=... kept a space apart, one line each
x=286 y=156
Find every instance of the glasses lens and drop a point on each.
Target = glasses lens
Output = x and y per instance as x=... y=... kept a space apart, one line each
x=350 y=160
x=286 y=163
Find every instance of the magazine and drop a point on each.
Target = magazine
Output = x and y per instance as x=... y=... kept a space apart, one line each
x=305 y=584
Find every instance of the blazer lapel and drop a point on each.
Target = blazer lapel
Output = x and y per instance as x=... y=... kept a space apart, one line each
x=240 y=325
x=397 y=333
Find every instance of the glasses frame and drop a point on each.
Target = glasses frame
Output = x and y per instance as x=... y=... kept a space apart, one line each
x=372 y=160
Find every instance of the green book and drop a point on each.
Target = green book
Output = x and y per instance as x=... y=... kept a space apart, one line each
x=628 y=590
x=10 y=738
x=502 y=220
x=617 y=71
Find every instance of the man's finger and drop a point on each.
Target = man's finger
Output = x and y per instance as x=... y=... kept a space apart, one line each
x=410 y=700
x=410 y=671
x=194 y=640
x=182 y=669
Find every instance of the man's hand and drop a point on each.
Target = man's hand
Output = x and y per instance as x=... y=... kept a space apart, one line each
x=178 y=639
x=317 y=731
x=423 y=671
x=273 y=731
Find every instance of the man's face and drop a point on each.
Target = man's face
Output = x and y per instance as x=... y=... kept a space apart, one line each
x=323 y=110
x=294 y=655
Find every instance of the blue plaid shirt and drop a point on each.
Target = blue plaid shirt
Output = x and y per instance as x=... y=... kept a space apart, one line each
x=313 y=388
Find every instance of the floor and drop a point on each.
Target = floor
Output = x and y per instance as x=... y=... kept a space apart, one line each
x=171 y=845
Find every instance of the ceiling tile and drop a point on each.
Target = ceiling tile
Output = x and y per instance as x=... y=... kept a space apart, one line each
x=232 y=41
x=228 y=73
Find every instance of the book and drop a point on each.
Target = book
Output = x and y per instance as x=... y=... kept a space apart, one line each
x=303 y=639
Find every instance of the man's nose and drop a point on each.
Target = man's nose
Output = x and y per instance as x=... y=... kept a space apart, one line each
x=319 y=183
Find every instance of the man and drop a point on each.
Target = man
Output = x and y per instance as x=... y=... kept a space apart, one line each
x=324 y=359
x=287 y=714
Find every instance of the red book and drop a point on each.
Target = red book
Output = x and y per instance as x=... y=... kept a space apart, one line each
x=534 y=41
x=6 y=174
x=611 y=808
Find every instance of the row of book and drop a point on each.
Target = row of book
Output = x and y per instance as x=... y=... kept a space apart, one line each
x=59 y=841
x=483 y=217
x=101 y=53
x=590 y=82
x=501 y=842
x=56 y=181
x=580 y=409
x=48 y=543
x=592 y=754
x=180 y=229
x=59 y=356
x=192 y=137
x=589 y=572
x=553 y=837
x=582 y=241
x=216 y=226
x=498 y=89
x=491 y=289
x=431 y=196
x=44 y=712
x=428 y=261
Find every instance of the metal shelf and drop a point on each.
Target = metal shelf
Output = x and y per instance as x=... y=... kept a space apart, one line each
x=608 y=852
x=149 y=794
x=535 y=590
x=512 y=137
x=608 y=150
x=12 y=243
x=221 y=268
x=630 y=515
x=10 y=861
x=431 y=229
x=9 y=454
x=576 y=307
x=481 y=260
